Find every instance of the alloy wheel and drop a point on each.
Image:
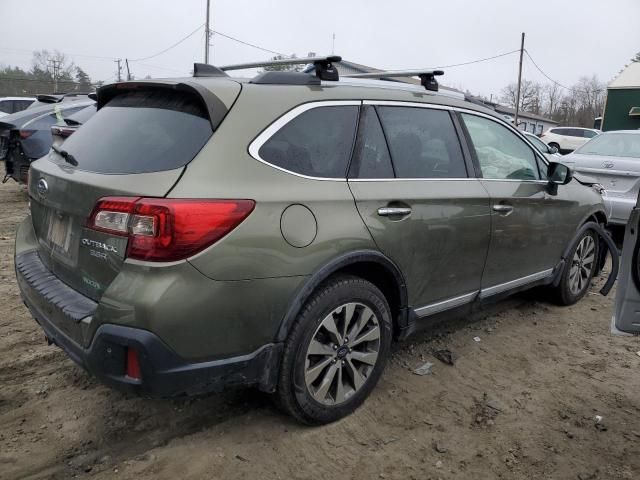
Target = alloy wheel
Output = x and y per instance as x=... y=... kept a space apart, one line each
x=582 y=265
x=342 y=353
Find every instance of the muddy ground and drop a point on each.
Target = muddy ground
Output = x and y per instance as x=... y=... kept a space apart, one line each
x=518 y=404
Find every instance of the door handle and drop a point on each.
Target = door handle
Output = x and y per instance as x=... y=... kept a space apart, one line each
x=505 y=209
x=394 y=211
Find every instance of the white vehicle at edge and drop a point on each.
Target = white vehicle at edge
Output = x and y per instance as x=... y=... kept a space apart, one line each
x=567 y=139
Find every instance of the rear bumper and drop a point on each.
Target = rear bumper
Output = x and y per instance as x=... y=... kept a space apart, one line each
x=62 y=313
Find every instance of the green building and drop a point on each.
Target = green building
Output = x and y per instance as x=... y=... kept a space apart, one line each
x=622 y=108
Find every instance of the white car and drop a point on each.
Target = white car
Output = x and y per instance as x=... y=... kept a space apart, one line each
x=567 y=139
x=9 y=105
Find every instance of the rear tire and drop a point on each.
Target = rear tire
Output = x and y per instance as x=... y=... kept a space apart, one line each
x=326 y=375
x=579 y=269
x=554 y=144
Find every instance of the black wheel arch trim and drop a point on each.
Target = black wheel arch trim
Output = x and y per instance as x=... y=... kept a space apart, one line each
x=335 y=265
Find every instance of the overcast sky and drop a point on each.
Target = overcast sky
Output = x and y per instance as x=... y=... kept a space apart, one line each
x=566 y=38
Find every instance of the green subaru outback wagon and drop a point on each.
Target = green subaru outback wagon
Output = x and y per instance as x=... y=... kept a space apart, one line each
x=279 y=232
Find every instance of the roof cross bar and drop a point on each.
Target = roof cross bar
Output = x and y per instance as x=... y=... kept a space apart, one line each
x=427 y=77
x=323 y=66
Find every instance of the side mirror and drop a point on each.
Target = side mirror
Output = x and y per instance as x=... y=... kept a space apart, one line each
x=559 y=174
x=552 y=150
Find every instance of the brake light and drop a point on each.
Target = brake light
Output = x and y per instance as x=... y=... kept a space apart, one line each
x=25 y=133
x=132 y=368
x=166 y=230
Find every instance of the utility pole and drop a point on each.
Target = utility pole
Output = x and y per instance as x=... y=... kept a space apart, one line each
x=118 y=61
x=55 y=72
x=207 y=34
x=519 y=82
x=126 y=62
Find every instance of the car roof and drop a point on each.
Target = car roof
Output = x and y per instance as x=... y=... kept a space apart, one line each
x=344 y=88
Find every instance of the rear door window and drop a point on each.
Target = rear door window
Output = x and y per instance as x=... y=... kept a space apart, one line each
x=316 y=143
x=371 y=156
x=423 y=142
x=589 y=133
x=142 y=131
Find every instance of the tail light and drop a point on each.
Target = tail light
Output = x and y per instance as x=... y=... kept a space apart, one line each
x=25 y=133
x=166 y=230
x=63 y=132
x=132 y=367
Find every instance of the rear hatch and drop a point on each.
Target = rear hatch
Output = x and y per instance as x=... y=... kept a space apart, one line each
x=136 y=145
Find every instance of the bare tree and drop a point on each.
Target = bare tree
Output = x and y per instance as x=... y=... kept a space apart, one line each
x=530 y=96
x=552 y=98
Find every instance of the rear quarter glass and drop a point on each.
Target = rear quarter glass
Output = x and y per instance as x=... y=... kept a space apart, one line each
x=141 y=132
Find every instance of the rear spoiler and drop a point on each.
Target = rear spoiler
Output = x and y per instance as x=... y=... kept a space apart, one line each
x=59 y=97
x=47 y=98
x=214 y=106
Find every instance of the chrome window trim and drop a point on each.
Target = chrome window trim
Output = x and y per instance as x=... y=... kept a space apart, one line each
x=518 y=282
x=443 y=305
x=430 y=179
x=267 y=133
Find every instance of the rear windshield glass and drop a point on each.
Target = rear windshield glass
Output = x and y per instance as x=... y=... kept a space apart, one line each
x=141 y=131
x=614 y=145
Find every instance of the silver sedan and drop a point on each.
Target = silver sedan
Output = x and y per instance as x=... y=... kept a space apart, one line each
x=613 y=158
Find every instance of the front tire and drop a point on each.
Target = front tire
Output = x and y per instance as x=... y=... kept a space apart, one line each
x=579 y=269
x=336 y=351
x=553 y=144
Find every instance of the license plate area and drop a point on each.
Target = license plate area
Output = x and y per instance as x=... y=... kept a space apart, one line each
x=59 y=233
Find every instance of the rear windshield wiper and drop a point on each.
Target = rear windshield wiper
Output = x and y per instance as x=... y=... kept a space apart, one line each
x=66 y=155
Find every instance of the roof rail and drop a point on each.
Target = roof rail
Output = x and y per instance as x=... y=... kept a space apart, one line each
x=427 y=77
x=323 y=66
x=206 y=70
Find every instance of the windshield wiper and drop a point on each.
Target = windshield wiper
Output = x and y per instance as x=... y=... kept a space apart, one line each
x=66 y=155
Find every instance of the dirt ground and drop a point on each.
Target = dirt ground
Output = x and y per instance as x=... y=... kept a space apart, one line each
x=518 y=404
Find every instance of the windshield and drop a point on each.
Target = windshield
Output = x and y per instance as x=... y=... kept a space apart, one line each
x=613 y=144
x=539 y=144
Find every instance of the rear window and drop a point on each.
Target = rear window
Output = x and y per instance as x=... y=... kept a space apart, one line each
x=142 y=131
x=316 y=143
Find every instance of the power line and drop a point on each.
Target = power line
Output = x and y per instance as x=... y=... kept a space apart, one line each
x=465 y=63
x=556 y=82
x=249 y=44
x=168 y=48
